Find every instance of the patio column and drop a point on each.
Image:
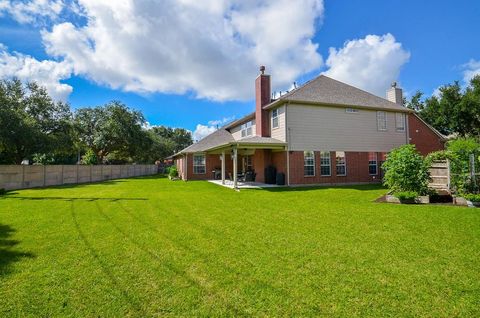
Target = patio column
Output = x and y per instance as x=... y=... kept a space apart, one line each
x=235 y=169
x=223 y=167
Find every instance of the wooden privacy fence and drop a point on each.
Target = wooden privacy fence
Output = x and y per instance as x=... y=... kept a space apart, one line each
x=21 y=177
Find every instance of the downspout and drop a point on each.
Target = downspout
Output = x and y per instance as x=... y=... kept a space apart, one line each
x=407 y=130
x=287 y=139
x=186 y=167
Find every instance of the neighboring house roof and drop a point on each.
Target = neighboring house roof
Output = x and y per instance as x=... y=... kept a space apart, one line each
x=326 y=90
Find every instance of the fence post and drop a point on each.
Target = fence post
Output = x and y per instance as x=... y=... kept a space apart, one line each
x=472 y=170
x=23 y=176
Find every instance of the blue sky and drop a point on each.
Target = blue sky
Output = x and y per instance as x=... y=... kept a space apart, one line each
x=187 y=67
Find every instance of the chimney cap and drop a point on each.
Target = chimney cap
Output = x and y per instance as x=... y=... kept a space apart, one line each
x=262 y=69
x=394 y=84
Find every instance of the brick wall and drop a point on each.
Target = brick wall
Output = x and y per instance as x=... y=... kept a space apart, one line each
x=424 y=138
x=357 y=169
x=212 y=162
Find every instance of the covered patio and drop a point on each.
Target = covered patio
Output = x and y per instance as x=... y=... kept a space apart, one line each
x=248 y=155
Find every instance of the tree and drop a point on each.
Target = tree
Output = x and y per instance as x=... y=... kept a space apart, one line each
x=454 y=110
x=112 y=129
x=31 y=122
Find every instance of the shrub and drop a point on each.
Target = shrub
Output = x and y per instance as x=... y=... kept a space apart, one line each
x=89 y=158
x=3 y=191
x=405 y=170
x=407 y=196
x=459 y=151
x=172 y=172
x=472 y=197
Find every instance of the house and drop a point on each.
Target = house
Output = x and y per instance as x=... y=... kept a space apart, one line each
x=324 y=132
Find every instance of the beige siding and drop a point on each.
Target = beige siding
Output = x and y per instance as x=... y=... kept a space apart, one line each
x=280 y=132
x=331 y=128
x=237 y=131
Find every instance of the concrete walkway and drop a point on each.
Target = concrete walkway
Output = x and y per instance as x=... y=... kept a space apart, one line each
x=244 y=185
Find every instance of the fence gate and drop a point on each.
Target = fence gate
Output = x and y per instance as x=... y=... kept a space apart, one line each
x=440 y=176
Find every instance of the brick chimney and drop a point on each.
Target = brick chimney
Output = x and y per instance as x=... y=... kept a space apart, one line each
x=262 y=98
x=395 y=94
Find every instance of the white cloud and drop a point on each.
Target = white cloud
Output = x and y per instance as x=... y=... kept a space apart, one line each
x=471 y=69
x=372 y=63
x=32 y=11
x=201 y=131
x=46 y=73
x=222 y=121
x=209 y=48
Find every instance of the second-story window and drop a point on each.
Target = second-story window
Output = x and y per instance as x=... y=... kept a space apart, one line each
x=400 y=121
x=275 y=118
x=381 y=120
x=246 y=129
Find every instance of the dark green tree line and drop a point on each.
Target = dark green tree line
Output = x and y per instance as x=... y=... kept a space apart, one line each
x=453 y=111
x=36 y=128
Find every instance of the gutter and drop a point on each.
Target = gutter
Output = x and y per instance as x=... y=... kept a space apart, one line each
x=278 y=101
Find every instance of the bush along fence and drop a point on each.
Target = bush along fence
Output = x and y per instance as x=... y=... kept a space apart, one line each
x=20 y=177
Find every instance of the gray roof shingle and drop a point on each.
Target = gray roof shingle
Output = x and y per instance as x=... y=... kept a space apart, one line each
x=326 y=90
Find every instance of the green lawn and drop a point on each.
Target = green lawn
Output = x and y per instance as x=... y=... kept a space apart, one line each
x=151 y=247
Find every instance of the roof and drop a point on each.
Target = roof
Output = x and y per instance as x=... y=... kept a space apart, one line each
x=222 y=137
x=240 y=121
x=326 y=90
x=259 y=140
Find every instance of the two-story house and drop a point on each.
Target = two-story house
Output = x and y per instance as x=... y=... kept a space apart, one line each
x=324 y=132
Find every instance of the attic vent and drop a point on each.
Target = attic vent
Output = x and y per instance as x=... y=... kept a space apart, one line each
x=351 y=110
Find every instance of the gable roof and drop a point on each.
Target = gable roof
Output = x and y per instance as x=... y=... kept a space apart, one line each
x=326 y=90
x=215 y=139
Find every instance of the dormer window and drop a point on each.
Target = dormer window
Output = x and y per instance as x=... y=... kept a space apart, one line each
x=246 y=129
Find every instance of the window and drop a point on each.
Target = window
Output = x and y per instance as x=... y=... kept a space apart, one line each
x=400 y=121
x=275 y=118
x=309 y=163
x=351 y=110
x=246 y=129
x=325 y=163
x=382 y=121
x=372 y=163
x=341 y=163
x=248 y=163
x=199 y=166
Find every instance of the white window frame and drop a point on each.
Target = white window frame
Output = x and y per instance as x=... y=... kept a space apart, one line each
x=373 y=163
x=203 y=165
x=305 y=164
x=381 y=121
x=400 y=122
x=246 y=129
x=323 y=156
x=344 y=164
x=275 y=123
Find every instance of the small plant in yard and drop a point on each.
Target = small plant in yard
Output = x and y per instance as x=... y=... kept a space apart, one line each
x=407 y=196
x=405 y=170
x=172 y=172
x=472 y=197
x=3 y=191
